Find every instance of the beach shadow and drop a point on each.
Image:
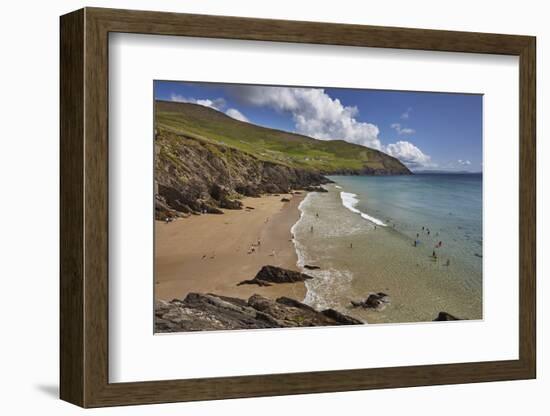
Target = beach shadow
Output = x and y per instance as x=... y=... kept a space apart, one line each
x=51 y=390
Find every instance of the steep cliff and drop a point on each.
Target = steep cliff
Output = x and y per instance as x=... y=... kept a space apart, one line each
x=195 y=176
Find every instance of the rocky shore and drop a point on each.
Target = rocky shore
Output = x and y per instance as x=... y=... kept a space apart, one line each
x=194 y=176
x=207 y=312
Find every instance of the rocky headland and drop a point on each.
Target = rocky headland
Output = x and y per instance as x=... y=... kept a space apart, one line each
x=206 y=161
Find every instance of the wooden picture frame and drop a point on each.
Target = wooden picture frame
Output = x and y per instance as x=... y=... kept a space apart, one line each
x=84 y=207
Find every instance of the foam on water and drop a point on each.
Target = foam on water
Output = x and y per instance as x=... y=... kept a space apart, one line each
x=326 y=282
x=350 y=200
x=297 y=246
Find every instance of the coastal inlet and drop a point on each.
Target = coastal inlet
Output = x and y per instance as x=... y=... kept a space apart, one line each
x=260 y=228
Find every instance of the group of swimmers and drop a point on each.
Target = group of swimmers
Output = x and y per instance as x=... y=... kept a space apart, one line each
x=439 y=244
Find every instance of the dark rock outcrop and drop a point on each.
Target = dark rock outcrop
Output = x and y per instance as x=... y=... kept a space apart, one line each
x=373 y=301
x=315 y=189
x=206 y=312
x=274 y=274
x=444 y=316
x=311 y=267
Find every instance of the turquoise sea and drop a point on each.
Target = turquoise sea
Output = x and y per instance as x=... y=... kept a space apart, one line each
x=379 y=233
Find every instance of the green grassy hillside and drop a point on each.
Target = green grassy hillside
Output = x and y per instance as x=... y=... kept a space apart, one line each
x=293 y=150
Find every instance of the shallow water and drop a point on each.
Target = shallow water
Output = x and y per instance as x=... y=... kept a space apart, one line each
x=361 y=233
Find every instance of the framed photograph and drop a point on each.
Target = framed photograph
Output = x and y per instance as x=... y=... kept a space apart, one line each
x=260 y=207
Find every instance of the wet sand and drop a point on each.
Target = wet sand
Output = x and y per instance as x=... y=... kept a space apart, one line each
x=212 y=253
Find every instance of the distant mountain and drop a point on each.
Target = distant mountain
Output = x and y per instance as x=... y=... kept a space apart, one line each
x=205 y=159
x=446 y=172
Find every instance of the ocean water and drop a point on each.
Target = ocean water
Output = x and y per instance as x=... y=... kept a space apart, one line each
x=362 y=236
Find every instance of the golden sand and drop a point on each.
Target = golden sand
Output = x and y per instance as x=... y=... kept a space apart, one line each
x=211 y=253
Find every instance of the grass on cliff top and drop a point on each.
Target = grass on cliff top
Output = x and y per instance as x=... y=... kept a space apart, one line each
x=294 y=150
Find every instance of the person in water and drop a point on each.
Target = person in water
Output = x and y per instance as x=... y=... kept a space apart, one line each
x=350 y=245
x=415 y=243
x=434 y=255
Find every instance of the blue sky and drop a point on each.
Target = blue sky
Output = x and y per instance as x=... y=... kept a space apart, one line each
x=426 y=131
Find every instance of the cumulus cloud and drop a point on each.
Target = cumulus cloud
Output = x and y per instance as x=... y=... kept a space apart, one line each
x=314 y=113
x=236 y=114
x=401 y=130
x=406 y=114
x=409 y=154
x=217 y=103
x=464 y=162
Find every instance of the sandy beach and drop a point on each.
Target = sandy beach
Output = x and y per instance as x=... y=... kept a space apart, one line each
x=212 y=253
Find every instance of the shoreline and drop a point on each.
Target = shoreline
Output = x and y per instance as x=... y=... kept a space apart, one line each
x=357 y=258
x=212 y=253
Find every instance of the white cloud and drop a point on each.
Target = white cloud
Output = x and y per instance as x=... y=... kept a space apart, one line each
x=409 y=154
x=314 y=113
x=406 y=114
x=464 y=162
x=236 y=114
x=401 y=130
x=217 y=103
x=318 y=115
